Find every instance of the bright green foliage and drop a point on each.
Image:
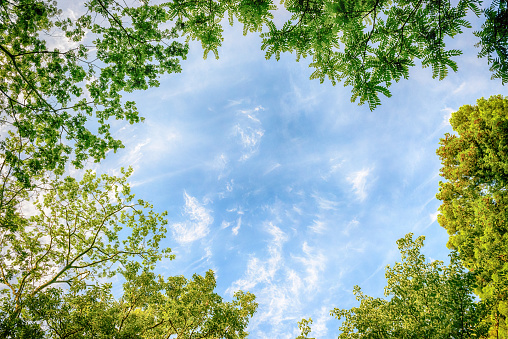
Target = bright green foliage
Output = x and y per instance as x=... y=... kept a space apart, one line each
x=305 y=329
x=424 y=300
x=47 y=95
x=494 y=38
x=81 y=232
x=371 y=43
x=151 y=307
x=201 y=20
x=474 y=207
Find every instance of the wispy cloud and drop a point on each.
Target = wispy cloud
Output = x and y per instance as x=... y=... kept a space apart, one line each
x=318 y=226
x=135 y=154
x=274 y=297
x=446 y=117
x=460 y=88
x=433 y=216
x=235 y=102
x=249 y=132
x=351 y=225
x=359 y=181
x=238 y=225
x=314 y=262
x=272 y=168
x=197 y=225
x=219 y=164
x=325 y=204
x=319 y=328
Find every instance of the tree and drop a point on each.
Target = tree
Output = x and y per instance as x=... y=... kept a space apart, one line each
x=89 y=230
x=48 y=95
x=474 y=197
x=370 y=44
x=151 y=307
x=424 y=300
x=52 y=270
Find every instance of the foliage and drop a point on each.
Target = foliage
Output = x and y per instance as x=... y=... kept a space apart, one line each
x=150 y=307
x=75 y=236
x=79 y=233
x=305 y=329
x=60 y=238
x=49 y=95
x=474 y=207
x=494 y=39
x=424 y=300
x=369 y=44
x=61 y=85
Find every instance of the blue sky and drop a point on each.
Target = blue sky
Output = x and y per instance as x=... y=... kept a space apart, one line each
x=284 y=187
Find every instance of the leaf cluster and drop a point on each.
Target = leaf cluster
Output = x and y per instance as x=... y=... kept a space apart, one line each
x=79 y=232
x=82 y=233
x=369 y=44
x=494 y=39
x=474 y=207
x=150 y=307
x=424 y=300
x=48 y=94
x=201 y=20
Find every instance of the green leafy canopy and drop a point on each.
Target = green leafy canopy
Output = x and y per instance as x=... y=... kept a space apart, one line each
x=79 y=234
x=424 y=300
x=474 y=207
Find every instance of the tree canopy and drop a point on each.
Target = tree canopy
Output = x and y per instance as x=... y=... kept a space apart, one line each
x=424 y=300
x=474 y=207
x=79 y=233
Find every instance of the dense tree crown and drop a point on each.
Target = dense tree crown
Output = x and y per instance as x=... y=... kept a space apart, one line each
x=425 y=300
x=474 y=197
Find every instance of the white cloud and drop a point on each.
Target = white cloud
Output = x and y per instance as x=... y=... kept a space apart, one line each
x=460 y=88
x=314 y=262
x=224 y=224
x=351 y=225
x=433 y=216
x=249 y=113
x=135 y=154
x=336 y=163
x=249 y=131
x=295 y=282
x=235 y=103
x=259 y=271
x=325 y=204
x=448 y=114
x=319 y=329
x=249 y=139
x=219 y=164
x=359 y=181
x=272 y=168
x=298 y=210
x=238 y=225
x=318 y=226
x=197 y=225
x=278 y=287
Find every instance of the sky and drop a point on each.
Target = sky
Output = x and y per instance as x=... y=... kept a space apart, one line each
x=284 y=187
